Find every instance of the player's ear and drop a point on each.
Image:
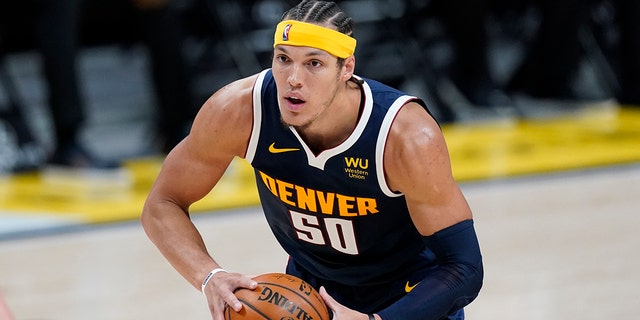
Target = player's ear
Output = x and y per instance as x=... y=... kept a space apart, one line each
x=348 y=67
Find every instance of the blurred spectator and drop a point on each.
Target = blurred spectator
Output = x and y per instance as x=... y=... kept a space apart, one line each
x=55 y=26
x=19 y=149
x=55 y=33
x=628 y=12
x=550 y=65
x=160 y=29
x=466 y=21
x=468 y=66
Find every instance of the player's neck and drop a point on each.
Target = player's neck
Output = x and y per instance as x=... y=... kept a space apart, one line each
x=338 y=123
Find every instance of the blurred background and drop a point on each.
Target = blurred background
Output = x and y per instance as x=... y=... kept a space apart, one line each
x=90 y=83
x=539 y=101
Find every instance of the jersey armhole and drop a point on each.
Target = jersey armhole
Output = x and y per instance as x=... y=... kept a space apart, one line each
x=257 y=117
x=385 y=127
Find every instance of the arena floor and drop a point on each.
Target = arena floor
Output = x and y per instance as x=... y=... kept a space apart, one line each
x=555 y=202
x=556 y=247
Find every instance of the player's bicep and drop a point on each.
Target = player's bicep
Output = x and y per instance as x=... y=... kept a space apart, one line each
x=220 y=132
x=186 y=177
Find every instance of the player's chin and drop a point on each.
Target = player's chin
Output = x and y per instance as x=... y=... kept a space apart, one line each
x=291 y=119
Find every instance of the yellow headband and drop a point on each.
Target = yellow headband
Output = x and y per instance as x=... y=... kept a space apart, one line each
x=302 y=34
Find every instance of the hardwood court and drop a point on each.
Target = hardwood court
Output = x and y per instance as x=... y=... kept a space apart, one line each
x=556 y=247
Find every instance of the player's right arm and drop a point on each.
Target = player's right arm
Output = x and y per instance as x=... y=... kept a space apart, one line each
x=220 y=132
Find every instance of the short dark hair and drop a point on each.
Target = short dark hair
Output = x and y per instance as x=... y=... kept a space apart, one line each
x=321 y=12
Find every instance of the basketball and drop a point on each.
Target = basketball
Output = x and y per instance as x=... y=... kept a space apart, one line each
x=279 y=297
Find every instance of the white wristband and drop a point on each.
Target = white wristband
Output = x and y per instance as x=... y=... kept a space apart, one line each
x=209 y=276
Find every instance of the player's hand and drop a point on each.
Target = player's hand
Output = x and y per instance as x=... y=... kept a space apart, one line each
x=340 y=312
x=219 y=291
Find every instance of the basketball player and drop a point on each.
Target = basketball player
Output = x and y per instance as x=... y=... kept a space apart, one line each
x=354 y=179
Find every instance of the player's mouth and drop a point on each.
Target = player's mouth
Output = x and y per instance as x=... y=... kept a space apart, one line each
x=294 y=103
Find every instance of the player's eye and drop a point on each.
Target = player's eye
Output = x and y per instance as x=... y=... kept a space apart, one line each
x=315 y=63
x=282 y=58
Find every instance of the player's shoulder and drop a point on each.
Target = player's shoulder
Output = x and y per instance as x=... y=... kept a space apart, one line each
x=414 y=128
x=239 y=91
x=230 y=102
x=229 y=107
x=413 y=116
x=415 y=148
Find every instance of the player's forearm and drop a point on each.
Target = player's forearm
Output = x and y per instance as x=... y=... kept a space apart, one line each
x=455 y=282
x=177 y=238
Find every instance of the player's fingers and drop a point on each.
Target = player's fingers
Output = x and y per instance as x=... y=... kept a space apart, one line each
x=338 y=310
x=217 y=310
x=235 y=282
x=246 y=282
x=216 y=306
x=232 y=301
x=328 y=300
x=219 y=293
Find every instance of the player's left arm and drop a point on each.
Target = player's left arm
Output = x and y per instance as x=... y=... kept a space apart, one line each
x=417 y=164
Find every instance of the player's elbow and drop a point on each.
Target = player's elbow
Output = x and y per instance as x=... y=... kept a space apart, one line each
x=466 y=278
x=474 y=279
x=150 y=217
x=147 y=217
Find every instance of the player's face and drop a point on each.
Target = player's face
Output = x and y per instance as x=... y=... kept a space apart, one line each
x=308 y=80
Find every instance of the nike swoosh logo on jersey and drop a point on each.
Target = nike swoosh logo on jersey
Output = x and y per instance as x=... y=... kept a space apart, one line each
x=408 y=288
x=273 y=149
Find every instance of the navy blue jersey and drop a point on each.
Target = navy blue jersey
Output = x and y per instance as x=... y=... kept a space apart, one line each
x=333 y=212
